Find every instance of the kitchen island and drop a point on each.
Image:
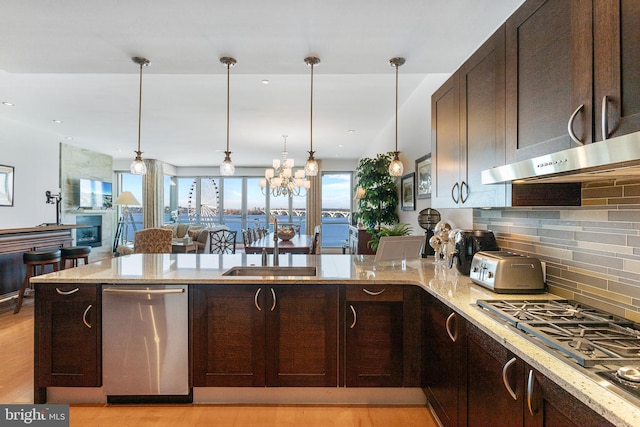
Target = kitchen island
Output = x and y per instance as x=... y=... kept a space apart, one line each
x=424 y=278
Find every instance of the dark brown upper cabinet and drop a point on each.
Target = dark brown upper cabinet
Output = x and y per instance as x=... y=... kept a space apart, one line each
x=549 y=69
x=616 y=32
x=468 y=125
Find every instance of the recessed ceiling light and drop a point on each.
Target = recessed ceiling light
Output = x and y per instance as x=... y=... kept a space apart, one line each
x=351 y=131
x=8 y=104
x=57 y=121
x=265 y=82
x=68 y=137
x=340 y=146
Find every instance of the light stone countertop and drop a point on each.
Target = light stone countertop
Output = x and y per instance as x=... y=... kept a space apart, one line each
x=448 y=286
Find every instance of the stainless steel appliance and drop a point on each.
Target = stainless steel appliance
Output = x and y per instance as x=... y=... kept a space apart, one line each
x=507 y=273
x=145 y=343
x=467 y=243
x=604 y=346
x=609 y=159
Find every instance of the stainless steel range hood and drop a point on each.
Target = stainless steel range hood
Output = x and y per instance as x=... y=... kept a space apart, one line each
x=613 y=158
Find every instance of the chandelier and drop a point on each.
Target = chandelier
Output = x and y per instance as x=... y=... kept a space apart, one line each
x=281 y=180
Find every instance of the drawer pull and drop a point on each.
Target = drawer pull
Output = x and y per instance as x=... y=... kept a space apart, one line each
x=572 y=134
x=453 y=336
x=505 y=371
x=454 y=190
x=72 y=291
x=255 y=299
x=355 y=317
x=605 y=118
x=532 y=411
x=273 y=294
x=84 y=317
x=372 y=293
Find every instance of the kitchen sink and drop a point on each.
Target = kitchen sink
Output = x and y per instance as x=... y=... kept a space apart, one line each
x=270 y=271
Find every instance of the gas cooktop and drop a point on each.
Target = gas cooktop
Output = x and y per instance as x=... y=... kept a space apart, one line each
x=606 y=344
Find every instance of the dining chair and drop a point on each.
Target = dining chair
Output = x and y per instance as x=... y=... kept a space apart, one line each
x=222 y=241
x=246 y=237
x=316 y=237
x=152 y=241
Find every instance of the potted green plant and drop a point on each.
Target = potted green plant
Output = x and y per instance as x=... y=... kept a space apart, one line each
x=378 y=204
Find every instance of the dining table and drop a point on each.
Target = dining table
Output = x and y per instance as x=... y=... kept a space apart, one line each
x=298 y=244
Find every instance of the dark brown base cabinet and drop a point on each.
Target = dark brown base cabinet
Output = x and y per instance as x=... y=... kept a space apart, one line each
x=549 y=405
x=228 y=338
x=249 y=335
x=374 y=353
x=498 y=385
x=67 y=337
x=445 y=362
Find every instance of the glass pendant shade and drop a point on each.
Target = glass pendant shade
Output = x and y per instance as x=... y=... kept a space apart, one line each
x=396 y=168
x=138 y=167
x=311 y=167
x=227 y=168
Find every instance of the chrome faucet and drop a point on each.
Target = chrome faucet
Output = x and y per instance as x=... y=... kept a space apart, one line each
x=276 y=253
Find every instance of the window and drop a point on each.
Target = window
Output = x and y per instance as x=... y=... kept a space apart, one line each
x=336 y=208
x=133 y=220
x=237 y=202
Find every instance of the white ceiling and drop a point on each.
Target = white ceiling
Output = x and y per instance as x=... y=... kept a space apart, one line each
x=70 y=60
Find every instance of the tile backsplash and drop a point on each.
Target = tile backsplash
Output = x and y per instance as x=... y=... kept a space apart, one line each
x=592 y=252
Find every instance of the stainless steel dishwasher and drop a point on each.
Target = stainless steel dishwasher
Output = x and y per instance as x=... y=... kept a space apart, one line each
x=145 y=343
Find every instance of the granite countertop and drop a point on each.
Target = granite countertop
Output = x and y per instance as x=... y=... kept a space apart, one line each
x=448 y=286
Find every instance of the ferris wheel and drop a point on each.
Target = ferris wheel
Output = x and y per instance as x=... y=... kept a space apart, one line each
x=209 y=201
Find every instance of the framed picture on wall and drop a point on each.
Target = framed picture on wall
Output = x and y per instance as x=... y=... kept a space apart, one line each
x=407 y=193
x=423 y=177
x=6 y=185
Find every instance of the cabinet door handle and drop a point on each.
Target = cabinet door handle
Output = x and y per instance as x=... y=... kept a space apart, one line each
x=572 y=134
x=530 y=381
x=505 y=370
x=605 y=117
x=255 y=299
x=454 y=190
x=464 y=185
x=355 y=317
x=273 y=294
x=72 y=291
x=84 y=317
x=453 y=336
x=372 y=293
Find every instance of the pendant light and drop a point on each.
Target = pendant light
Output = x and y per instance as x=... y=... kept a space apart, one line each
x=138 y=167
x=311 y=167
x=227 y=168
x=396 y=168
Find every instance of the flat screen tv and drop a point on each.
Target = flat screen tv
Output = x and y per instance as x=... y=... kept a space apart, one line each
x=95 y=194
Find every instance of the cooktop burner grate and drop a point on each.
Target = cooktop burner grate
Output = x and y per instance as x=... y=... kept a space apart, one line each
x=588 y=335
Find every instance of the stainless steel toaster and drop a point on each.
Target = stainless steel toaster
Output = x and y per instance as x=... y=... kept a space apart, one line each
x=507 y=273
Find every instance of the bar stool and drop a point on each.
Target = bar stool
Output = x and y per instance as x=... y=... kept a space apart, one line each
x=73 y=254
x=32 y=260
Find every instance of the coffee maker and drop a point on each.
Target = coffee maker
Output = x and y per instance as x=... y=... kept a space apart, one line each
x=467 y=243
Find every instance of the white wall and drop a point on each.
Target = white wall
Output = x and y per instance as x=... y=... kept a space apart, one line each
x=35 y=155
x=414 y=141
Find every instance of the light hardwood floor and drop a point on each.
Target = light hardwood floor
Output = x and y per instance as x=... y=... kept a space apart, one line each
x=16 y=386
